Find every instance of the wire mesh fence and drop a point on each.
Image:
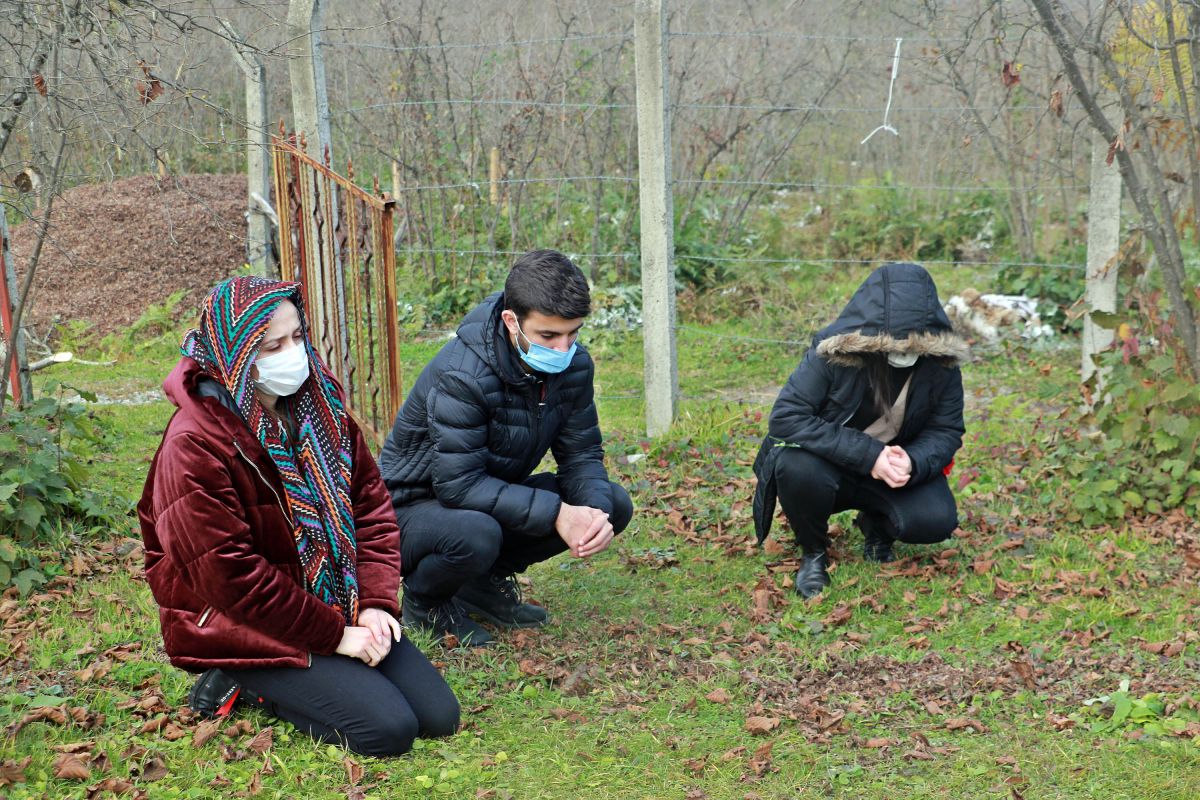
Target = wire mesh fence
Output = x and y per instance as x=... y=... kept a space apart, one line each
x=823 y=135
x=767 y=121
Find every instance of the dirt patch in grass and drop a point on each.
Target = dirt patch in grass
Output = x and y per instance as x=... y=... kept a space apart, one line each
x=116 y=248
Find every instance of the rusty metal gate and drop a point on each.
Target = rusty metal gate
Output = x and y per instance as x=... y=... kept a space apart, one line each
x=336 y=239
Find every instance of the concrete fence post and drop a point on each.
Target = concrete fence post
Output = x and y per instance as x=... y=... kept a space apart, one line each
x=306 y=68
x=258 y=144
x=657 y=215
x=1103 y=243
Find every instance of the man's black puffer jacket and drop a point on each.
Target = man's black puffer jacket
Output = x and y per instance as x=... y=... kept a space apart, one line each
x=476 y=425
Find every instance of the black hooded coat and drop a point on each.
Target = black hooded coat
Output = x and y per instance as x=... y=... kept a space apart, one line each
x=895 y=310
x=476 y=425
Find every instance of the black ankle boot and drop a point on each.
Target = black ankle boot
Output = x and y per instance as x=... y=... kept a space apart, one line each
x=497 y=598
x=440 y=621
x=813 y=576
x=877 y=544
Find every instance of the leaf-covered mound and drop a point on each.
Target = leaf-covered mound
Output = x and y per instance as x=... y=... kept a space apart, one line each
x=116 y=248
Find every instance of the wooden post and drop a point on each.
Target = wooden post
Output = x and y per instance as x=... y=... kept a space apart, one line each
x=258 y=172
x=1103 y=243
x=494 y=175
x=396 y=181
x=17 y=381
x=657 y=215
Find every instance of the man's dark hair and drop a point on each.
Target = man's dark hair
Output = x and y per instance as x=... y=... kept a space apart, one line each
x=549 y=283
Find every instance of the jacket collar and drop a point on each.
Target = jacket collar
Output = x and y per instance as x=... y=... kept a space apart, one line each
x=483 y=331
x=194 y=394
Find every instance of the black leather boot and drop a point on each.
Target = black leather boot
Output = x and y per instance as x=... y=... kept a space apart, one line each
x=442 y=620
x=497 y=598
x=877 y=544
x=813 y=576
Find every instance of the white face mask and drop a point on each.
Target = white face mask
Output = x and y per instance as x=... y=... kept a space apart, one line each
x=902 y=360
x=284 y=373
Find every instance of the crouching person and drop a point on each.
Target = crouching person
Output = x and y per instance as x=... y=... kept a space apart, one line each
x=513 y=384
x=869 y=420
x=271 y=546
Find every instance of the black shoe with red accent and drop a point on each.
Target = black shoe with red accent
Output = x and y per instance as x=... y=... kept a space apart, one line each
x=214 y=694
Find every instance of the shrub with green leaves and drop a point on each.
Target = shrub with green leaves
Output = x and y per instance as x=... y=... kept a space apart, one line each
x=1152 y=714
x=43 y=492
x=1142 y=456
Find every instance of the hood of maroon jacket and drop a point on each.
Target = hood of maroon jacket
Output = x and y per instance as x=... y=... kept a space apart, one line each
x=221 y=560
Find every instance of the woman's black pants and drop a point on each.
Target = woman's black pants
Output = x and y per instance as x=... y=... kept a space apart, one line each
x=812 y=488
x=374 y=711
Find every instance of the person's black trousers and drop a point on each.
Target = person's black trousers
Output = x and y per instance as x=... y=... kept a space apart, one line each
x=442 y=548
x=812 y=488
x=374 y=711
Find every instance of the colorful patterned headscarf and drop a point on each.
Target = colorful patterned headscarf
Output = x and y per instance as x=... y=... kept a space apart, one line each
x=316 y=465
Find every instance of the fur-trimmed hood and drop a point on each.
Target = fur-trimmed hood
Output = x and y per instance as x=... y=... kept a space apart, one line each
x=895 y=310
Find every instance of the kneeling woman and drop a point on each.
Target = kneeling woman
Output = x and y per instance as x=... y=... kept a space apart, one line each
x=869 y=420
x=271 y=545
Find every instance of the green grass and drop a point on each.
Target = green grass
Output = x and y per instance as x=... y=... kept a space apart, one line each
x=1011 y=627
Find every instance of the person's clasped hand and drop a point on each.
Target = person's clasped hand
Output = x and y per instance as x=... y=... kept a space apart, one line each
x=586 y=530
x=893 y=466
x=371 y=640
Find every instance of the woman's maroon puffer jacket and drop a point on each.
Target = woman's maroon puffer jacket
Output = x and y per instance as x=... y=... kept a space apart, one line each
x=220 y=556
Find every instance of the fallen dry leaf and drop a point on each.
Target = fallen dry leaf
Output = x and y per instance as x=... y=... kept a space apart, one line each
x=155 y=725
x=839 y=616
x=761 y=726
x=172 y=732
x=13 y=771
x=205 y=731
x=70 y=767
x=44 y=713
x=960 y=723
x=718 y=696
x=239 y=728
x=96 y=670
x=113 y=786
x=262 y=742
x=155 y=769
x=760 y=762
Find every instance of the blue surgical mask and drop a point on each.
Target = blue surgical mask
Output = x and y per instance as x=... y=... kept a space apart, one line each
x=546 y=359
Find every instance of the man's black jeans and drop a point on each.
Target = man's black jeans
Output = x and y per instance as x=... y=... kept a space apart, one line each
x=811 y=489
x=442 y=548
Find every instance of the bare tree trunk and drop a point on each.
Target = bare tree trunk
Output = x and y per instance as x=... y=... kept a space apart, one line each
x=1193 y=150
x=1158 y=222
